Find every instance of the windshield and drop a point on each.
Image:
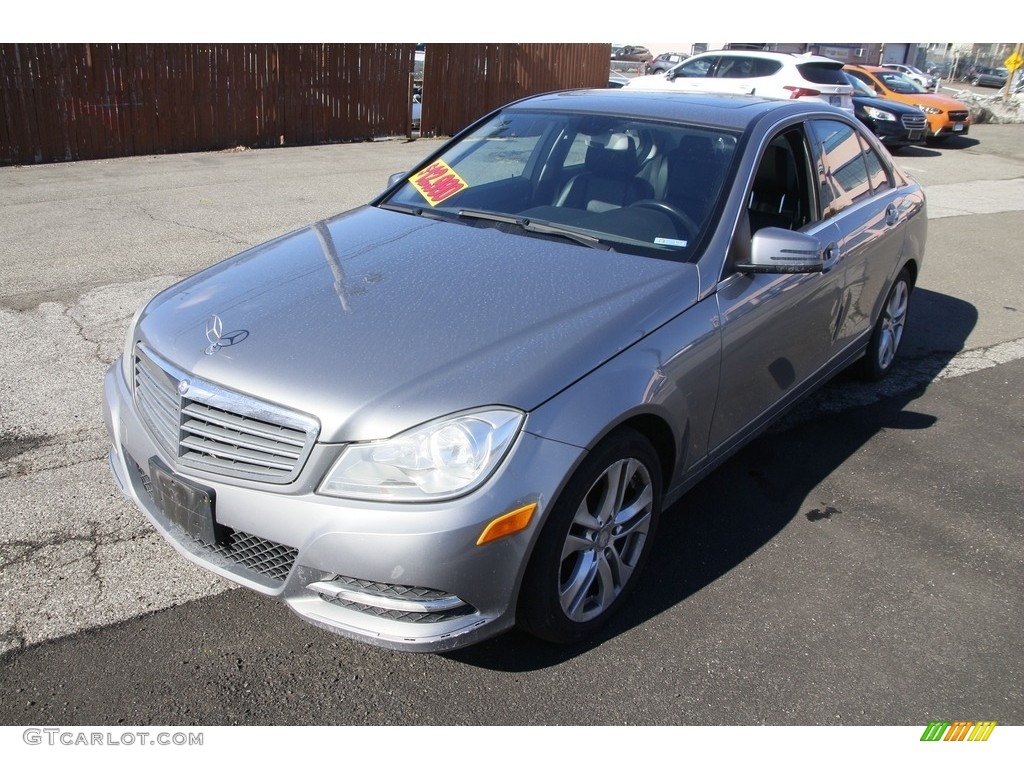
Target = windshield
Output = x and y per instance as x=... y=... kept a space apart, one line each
x=614 y=182
x=898 y=83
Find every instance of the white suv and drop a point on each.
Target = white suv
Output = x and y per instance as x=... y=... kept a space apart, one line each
x=761 y=73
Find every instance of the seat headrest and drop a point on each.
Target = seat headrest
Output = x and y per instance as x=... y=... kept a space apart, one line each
x=613 y=154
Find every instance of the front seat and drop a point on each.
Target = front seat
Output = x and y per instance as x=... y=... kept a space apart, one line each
x=609 y=180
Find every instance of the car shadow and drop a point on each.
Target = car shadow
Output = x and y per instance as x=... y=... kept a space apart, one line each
x=767 y=485
x=959 y=142
x=916 y=150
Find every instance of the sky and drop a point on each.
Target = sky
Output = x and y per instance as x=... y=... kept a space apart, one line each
x=534 y=21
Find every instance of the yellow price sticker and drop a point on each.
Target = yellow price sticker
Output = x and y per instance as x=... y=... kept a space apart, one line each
x=437 y=182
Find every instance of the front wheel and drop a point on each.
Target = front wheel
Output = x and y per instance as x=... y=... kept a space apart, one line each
x=595 y=542
x=888 y=332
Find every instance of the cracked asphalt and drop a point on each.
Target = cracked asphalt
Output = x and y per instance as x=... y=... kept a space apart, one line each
x=85 y=244
x=861 y=563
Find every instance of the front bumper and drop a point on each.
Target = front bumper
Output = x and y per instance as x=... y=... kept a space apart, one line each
x=403 y=576
x=893 y=134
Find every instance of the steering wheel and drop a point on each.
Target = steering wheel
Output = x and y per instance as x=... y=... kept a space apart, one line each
x=679 y=217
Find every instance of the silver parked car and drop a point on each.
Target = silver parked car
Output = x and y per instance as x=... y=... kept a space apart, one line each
x=464 y=406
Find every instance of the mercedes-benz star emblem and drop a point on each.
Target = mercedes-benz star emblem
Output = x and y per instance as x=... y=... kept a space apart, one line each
x=218 y=338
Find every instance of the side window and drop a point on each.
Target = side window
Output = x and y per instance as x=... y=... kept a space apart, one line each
x=766 y=67
x=843 y=172
x=781 y=195
x=698 y=67
x=735 y=66
x=864 y=79
x=878 y=174
x=577 y=153
x=850 y=171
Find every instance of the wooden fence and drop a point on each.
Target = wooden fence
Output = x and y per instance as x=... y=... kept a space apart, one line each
x=83 y=101
x=464 y=81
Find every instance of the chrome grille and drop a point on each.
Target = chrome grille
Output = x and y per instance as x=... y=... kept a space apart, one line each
x=158 y=403
x=217 y=430
x=224 y=442
x=914 y=122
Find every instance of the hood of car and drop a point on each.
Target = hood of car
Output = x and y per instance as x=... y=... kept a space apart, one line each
x=890 y=105
x=937 y=100
x=376 y=321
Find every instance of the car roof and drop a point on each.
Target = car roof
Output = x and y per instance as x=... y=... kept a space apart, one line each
x=722 y=110
x=773 y=55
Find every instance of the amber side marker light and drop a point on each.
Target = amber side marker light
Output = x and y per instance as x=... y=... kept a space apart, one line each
x=507 y=524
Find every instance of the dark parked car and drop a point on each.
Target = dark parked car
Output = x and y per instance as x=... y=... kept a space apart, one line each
x=895 y=124
x=632 y=53
x=663 y=62
x=464 y=405
x=993 y=77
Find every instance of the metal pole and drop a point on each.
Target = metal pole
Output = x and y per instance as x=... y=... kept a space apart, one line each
x=1017 y=49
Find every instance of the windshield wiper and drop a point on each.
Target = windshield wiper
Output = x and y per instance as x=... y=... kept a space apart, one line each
x=415 y=211
x=540 y=227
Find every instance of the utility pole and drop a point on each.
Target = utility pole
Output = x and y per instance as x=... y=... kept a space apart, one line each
x=1013 y=62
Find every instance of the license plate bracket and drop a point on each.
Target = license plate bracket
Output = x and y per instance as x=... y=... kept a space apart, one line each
x=186 y=504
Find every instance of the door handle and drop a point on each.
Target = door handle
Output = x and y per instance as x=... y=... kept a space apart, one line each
x=892 y=215
x=829 y=256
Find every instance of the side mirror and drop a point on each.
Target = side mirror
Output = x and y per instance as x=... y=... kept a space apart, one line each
x=395 y=178
x=781 y=251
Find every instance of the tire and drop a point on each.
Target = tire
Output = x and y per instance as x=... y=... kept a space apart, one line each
x=595 y=542
x=888 y=332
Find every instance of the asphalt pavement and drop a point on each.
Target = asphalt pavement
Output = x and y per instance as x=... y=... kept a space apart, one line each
x=859 y=564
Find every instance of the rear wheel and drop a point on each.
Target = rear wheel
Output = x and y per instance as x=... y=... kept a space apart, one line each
x=888 y=333
x=595 y=542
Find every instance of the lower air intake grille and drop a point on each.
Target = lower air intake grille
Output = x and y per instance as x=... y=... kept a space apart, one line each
x=262 y=556
x=414 y=605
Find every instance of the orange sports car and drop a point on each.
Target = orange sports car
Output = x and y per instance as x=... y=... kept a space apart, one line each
x=946 y=116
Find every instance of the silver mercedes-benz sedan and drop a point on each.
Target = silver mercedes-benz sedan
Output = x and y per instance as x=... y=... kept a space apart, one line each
x=463 y=406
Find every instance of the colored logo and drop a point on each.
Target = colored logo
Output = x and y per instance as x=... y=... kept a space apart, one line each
x=437 y=182
x=958 y=730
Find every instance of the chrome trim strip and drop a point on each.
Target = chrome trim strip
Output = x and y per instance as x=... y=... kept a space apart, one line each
x=439 y=605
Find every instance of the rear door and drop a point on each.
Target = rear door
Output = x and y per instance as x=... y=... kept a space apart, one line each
x=860 y=196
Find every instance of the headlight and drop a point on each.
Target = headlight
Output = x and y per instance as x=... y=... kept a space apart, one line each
x=880 y=114
x=928 y=109
x=439 y=460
